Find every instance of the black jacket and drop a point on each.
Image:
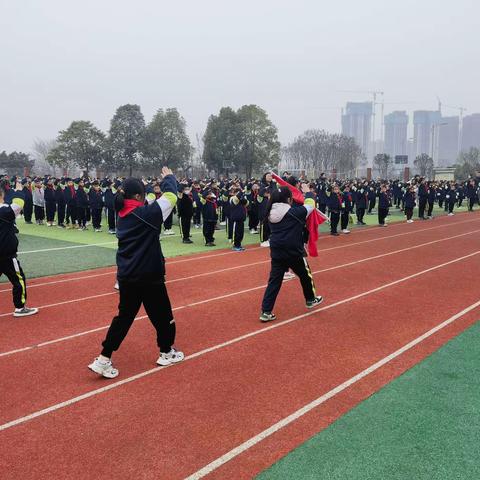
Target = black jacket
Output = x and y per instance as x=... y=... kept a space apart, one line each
x=286 y=231
x=139 y=254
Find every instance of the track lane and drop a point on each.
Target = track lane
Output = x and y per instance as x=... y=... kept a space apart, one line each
x=208 y=390
x=89 y=313
x=199 y=328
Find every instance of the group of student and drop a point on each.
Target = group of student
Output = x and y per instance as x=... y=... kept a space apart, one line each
x=279 y=209
x=236 y=204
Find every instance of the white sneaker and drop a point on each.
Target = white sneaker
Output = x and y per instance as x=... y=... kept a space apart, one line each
x=104 y=368
x=98 y=229
x=116 y=286
x=410 y=221
x=451 y=214
x=345 y=231
x=288 y=276
x=173 y=356
x=253 y=231
x=266 y=243
x=223 y=223
x=25 y=312
x=169 y=232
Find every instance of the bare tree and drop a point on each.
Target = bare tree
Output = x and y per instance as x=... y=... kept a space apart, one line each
x=41 y=149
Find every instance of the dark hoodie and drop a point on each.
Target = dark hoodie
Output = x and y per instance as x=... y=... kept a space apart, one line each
x=286 y=230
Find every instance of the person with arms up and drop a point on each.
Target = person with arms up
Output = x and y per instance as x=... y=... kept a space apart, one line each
x=287 y=222
x=141 y=271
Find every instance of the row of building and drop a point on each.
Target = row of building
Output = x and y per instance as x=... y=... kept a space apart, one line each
x=440 y=137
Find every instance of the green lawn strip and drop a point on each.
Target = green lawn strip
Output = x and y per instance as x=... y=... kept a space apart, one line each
x=39 y=264
x=423 y=425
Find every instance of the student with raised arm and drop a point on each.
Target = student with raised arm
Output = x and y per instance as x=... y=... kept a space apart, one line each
x=9 y=264
x=141 y=271
x=287 y=222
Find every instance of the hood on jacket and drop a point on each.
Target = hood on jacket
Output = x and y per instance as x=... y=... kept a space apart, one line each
x=278 y=212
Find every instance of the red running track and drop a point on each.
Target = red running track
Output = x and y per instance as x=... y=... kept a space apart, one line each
x=220 y=398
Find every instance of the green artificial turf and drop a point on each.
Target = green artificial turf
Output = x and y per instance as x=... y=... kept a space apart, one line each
x=425 y=425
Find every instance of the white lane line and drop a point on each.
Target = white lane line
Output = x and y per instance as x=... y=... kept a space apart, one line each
x=245 y=265
x=206 y=470
x=219 y=346
x=233 y=294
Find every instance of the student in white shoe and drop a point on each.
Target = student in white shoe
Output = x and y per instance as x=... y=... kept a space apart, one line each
x=9 y=264
x=287 y=249
x=141 y=271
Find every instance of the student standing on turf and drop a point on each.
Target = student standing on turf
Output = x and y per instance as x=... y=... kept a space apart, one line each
x=95 y=200
x=409 y=201
x=27 y=193
x=185 y=207
x=383 y=205
x=287 y=251
x=141 y=271
x=9 y=264
x=50 y=202
x=335 y=201
x=38 y=202
x=238 y=215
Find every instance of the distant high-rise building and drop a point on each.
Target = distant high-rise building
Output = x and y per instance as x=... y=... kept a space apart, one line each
x=396 y=125
x=357 y=123
x=447 y=141
x=424 y=122
x=471 y=131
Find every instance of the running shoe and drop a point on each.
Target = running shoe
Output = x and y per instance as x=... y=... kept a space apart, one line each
x=25 y=312
x=173 y=356
x=103 y=368
x=315 y=302
x=267 y=317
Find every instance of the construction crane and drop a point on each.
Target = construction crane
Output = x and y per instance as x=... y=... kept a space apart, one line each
x=374 y=94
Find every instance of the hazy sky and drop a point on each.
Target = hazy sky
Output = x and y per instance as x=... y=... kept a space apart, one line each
x=64 y=60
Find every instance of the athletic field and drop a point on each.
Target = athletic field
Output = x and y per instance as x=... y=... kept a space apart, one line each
x=380 y=382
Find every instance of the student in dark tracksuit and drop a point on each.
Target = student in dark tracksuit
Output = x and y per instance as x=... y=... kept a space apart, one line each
x=209 y=214
x=82 y=205
x=185 y=209
x=141 y=272
x=432 y=195
x=9 y=263
x=197 y=213
x=335 y=202
x=95 y=201
x=70 y=193
x=347 y=202
x=60 y=201
x=372 y=199
x=451 y=199
x=109 y=200
x=409 y=202
x=471 y=194
x=383 y=205
x=238 y=215
x=361 y=201
x=27 y=194
x=422 y=199
x=287 y=222
x=50 y=203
